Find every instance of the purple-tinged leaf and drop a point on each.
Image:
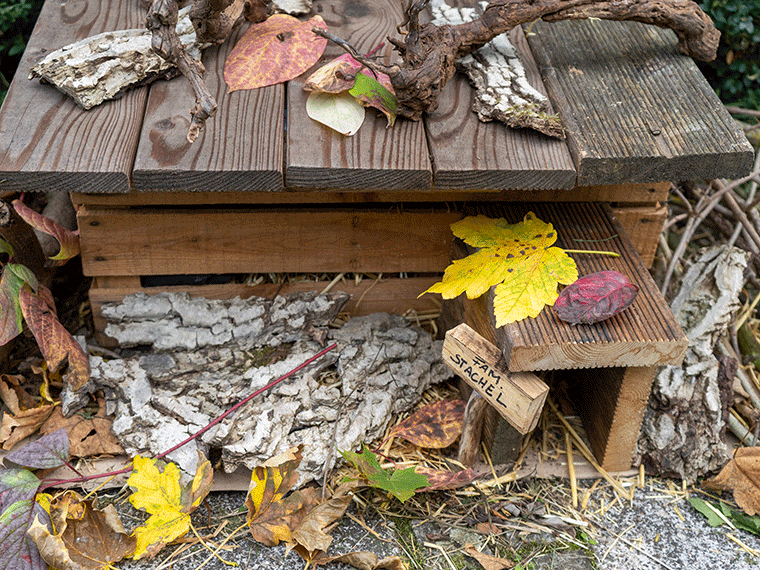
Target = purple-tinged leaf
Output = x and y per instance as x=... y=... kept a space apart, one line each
x=25 y=274
x=55 y=342
x=595 y=297
x=17 y=550
x=16 y=485
x=11 y=322
x=47 y=452
x=68 y=240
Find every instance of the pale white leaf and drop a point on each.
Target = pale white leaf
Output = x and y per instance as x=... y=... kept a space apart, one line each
x=339 y=111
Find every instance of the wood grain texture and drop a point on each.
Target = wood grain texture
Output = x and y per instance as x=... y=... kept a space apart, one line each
x=518 y=396
x=376 y=157
x=611 y=404
x=645 y=334
x=648 y=194
x=643 y=225
x=240 y=149
x=388 y=295
x=635 y=109
x=468 y=153
x=46 y=141
x=186 y=241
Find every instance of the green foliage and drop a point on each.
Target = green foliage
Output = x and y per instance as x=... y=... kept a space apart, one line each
x=17 y=18
x=401 y=483
x=735 y=74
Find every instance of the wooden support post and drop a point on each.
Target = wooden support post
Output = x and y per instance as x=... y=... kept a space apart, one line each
x=518 y=397
x=474 y=416
x=611 y=404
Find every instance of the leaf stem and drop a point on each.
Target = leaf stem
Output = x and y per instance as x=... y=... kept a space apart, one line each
x=597 y=252
x=53 y=482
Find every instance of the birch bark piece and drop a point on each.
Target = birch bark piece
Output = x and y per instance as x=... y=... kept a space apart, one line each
x=682 y=432
x=503 y=91
x=105 y=66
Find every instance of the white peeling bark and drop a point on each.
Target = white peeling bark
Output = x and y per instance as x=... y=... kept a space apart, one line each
x=495 y=70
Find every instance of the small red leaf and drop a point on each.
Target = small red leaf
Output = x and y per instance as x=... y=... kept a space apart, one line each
x=595 y=297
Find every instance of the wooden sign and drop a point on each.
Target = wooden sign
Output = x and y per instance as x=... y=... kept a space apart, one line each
x=518 y=396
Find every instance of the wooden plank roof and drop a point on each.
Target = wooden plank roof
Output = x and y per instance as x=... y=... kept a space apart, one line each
x=642 y=113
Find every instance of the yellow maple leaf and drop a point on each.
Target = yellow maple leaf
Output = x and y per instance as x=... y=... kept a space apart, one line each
x=516 y=258
x=156 y=488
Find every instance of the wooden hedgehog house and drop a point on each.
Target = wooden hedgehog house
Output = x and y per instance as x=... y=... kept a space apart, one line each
x=265 y=189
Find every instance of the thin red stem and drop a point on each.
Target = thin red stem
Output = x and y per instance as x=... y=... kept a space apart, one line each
x=54 y=482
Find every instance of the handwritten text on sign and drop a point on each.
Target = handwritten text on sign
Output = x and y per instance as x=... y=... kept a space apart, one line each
x=481 y=376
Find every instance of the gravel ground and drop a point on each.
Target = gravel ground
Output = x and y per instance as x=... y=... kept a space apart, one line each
x=659 y=530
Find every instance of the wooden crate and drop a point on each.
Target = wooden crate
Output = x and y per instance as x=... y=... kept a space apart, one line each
x=128 y=237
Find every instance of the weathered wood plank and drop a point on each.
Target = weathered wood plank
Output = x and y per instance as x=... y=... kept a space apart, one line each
x=611 y=405
x=647 y=194
x=176 y=241
x=635 y=109
x=376 y=157
x=240 y=149
x=645 y=334
x=389 y=295
x=518 y=396
x=643 y=224
x=46 y=141
x=468 y=153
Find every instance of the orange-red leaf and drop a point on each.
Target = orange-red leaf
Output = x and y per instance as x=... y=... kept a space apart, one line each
x=437 y=425
x=276 y=50
x=55 y=342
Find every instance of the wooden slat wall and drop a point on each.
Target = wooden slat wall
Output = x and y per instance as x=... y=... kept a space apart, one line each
x=374 y=158
x=472 y=154
x=240 y=149
x=635 y=109
x=295 y=240
x=48 y=143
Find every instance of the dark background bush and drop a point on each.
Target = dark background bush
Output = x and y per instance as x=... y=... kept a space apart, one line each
x=17 y=18
x=735 y=75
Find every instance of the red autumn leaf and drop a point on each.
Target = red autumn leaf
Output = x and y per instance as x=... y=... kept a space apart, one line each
x=276 y=50
x=595 y=297
x=437 y=425
x=68 y=240
x=55 y=342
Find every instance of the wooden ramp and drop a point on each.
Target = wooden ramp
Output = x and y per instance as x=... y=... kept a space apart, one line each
x=608 y=367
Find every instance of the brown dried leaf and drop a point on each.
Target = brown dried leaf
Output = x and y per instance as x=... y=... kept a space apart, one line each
x=277 y=521
x=437 y=425
x=13 y=394
x=310 y=537
x=487 y=561
x=440 y=480
x=55 y=342
x=16 y=427
x=364 y=561
x=88 y=436
x=742 y=476
x=85 y=538
x=276 y=50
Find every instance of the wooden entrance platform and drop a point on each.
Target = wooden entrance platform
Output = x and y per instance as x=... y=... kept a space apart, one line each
x=265 y=189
